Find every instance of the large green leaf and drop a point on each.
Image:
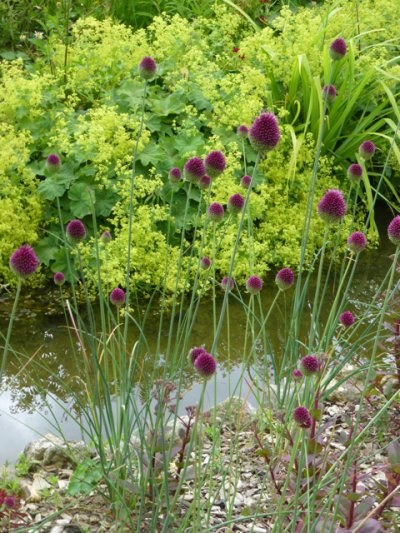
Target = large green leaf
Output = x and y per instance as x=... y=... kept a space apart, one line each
x=81 y=199
x=50 y=188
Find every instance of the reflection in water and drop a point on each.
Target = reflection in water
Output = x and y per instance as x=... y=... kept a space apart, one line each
x=40 y=333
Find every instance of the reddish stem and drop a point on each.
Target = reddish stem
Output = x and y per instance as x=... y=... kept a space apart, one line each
x=354 y=490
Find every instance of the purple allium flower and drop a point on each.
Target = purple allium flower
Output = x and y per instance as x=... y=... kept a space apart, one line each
x=59 y=278
x=215 y=212
x=354 y=172
x=245 y=181
x=264 y=133
x=117 y=297
x=215 y=163
x=347 y=319
x=24 y=261
x=205 y=182
x=338 y=49
x=205 y=263
x=254 y=284
x=227 y=284
x=309 y=365
x=297 y=374
x=332 y=206
x=147 y=68
x=10 y=502
x=53 y=163
x=195 y=352
x=367 y=150
x=394 y=230
x=75 y=231
x=235 y=203
x=330 y=92
x=106 y=237
x=302 y=417
x=243 y=131
x=174 y=175
x=194 y=169
x=284 y=278
x=357 y=242
x=205 y=364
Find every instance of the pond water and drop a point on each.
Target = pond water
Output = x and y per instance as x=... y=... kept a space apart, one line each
x=26 y=410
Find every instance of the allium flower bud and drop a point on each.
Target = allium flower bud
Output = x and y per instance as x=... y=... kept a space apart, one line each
x=227 y=283
x=24 y=261
x=205 y=263
x=338 y=49
x=215 y=212
x=53 y=163
x=297 y=374
x=367 y=150
x=254 y=284
x=106 y=237
x=394 y=231
x=215 y=163
x=205 y=364
x=174 y=175
x=147 y=68
x=309 y=365
x=330 y=92
x=10 y=502
x=332 y=207
x=117 y=297
x=235 y=203
x=264 y=133
x=194 y=169
x=245 y=181
x=357 y=242
x=59 y=278
x=75 y=231
x=354 y=172
x=302 y=417
x=347 y=319
x=243 y=131
x=195 y=352
x=205 y=182
x=284 y=279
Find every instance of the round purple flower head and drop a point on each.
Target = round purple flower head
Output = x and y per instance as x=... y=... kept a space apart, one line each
x=24 y=261
x=194 y=169
x=75 y=231
x=309 y=365
x=59 y=278
x=243 y=131
x=354 y=172
x=332 y=206
x=297 y=374
x=215 y=163
x=227 y=284
x=205 y=364
x=330 y=92
x=264 y=133
x=245 y=182
x=302 y=417
x=117 y=297
x=10 y=502
x=254 y=284
x=205 y=263
x=235 y=203
x=357 y=242
x=174 y=175
x=284 y=279
x=394 y=231
x=347 y=319
x=106 y=237
x=215 y=212
x=53 y=163
x=338 y=49
x=147 y=68
x=367 y=150
x=205 y=182
x=195 y=352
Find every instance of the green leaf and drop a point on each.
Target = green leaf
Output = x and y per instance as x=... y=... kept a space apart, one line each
x=47 y=249
x=49 y=189
x=82 y=198
x=152 y=153
x=171 y=105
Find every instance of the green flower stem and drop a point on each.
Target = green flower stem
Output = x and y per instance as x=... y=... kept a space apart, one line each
x=9 y=329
